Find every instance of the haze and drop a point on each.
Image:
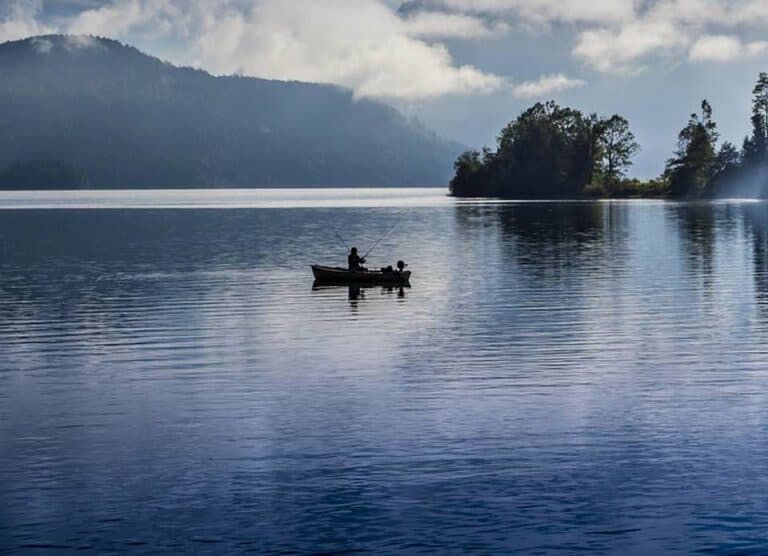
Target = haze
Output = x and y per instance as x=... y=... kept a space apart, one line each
x=463 y=67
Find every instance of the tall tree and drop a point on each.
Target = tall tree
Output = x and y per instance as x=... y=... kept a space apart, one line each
x=757 y=148
x=548 y=151
x=726 y=168
x=617 y=146
x=467 y=166
x=726 y=161
x=690 y=171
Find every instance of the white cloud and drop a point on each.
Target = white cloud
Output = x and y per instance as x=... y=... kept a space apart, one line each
x=44 y=45
x=718 y=13
x=546 y=85
x=80 y=42
x=445 y=25
x=627 y=36
x=121 y=17
x=673 y=30
x=19 y=19
x=724 y=48
x=366 y=45
x=718 y=48
x=360 y=44
x=756 y=48
x=623 y=50
x=547 y=11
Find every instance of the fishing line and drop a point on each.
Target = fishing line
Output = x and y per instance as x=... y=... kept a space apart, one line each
x=341 y=239
x=379 y=240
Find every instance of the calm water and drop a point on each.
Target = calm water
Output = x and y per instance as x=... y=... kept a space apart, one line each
x=561 y=377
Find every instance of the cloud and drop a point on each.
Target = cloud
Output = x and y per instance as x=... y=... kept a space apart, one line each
x=444 y=25
x=119 y=18
x=41 y=45
x=542 y=12
x=546 y=85
x=628 y=36
x=361 y=44
x=365 y=45
x=80 y=42
x=673 y=31
x=19 y=19
x=627 y=48
x=756 y=48
x=724 y=48
x=379 y=50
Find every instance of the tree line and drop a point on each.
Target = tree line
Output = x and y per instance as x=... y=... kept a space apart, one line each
x=553 y=151
x=701 y=169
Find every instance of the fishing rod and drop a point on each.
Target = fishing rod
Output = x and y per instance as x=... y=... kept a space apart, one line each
x=341 y=239
x=379 y=240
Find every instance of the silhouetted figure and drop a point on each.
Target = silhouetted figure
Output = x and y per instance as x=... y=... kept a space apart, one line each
x=354 y=260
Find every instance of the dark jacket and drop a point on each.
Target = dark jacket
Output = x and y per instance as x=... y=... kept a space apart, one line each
x=354 y=261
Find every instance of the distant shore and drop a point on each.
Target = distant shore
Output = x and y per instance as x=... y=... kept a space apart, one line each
x=553 y=151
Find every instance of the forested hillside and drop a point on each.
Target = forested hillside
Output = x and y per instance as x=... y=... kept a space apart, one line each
x=120 y=118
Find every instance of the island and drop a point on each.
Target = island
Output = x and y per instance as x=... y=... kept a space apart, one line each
x=555 y=152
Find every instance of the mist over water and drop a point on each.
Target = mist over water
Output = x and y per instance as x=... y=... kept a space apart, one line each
x=559 y=377
x=748 y=184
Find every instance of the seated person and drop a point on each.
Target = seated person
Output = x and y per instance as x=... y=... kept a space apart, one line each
x=354 y=261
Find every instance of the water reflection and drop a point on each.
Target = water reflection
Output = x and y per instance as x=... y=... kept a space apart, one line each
x=357 y=292
x=549 y=242
x=756 y=230
x=717 y=238
x=697 y=224
x=586 y=376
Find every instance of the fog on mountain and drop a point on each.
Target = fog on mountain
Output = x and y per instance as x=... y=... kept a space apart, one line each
x=121 y=118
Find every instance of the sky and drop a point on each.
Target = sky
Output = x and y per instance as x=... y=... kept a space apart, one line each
x=463 y=67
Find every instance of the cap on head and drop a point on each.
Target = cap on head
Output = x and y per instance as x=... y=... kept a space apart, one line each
x=354 y=249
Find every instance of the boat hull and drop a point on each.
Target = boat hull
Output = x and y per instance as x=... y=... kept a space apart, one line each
x=337 y=275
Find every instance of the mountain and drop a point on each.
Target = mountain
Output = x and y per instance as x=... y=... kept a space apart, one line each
x=121 y=118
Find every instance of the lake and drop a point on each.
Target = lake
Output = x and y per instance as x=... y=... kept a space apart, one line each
x=561 y=377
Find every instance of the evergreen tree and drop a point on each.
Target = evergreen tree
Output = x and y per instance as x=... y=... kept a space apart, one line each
x=726 y=161
x=754 y=153
x=726 y=169
x=757 y=148
x=690 y=171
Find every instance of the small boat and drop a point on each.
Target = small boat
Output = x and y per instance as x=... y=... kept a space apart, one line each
x=337 y=275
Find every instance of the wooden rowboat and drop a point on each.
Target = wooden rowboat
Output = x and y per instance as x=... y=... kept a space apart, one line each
x=337 y=275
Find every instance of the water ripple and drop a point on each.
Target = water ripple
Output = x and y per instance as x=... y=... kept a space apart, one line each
x=560 y=378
